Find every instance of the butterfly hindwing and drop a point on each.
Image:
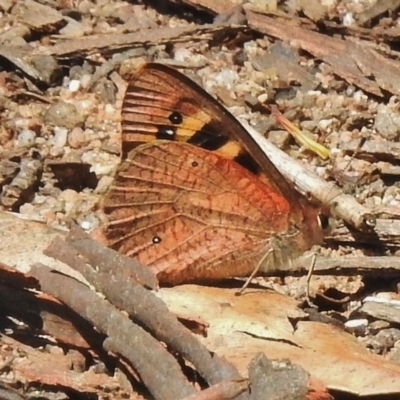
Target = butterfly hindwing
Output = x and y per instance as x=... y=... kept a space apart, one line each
x=190 y=214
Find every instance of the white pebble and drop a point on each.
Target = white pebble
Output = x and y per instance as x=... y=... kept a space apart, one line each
x=355 y=323
x=182 y=54
x=86 y=225
x=74 y=85
x=109 y=109
x=335 y=151
x=26 y=137
x=227 y=78
x=21 y=123
x=357 y=326
x=325 y=123
x=314 y=93
x=60 y=137
x=85 y=80
x=359 y=96
x=262 y=98
x=348 y=19
x=84 y=105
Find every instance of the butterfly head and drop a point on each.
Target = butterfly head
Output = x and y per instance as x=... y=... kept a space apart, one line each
x=314 y=226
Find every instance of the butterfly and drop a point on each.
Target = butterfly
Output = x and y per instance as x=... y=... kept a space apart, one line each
x=195 y=198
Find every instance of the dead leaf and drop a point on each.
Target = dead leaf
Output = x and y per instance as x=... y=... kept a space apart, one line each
x=259 y=321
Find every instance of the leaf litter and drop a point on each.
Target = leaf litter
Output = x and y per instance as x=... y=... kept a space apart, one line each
x=331 y=70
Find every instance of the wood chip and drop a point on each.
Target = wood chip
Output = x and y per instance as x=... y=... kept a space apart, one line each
x=39 y=17
x=354 y=62
x=112 y=43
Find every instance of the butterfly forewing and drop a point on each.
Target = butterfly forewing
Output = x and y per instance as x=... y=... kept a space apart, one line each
x=161 y=103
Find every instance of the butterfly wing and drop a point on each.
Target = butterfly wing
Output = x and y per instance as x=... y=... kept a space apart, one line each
x=180 y=205
x=163 y=104
x=193 y=215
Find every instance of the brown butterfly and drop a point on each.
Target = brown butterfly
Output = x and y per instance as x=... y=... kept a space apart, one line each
x=199 y=200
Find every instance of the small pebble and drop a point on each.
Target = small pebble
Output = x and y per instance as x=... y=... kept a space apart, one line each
x=226 y=78
x=74 y=85
x=105 y=90
x=21 y=123
x=357 y=326
x=47 y=66
x=63 y=114
x=387 y=124
x=278 y=138
x=376 y=326
x=77 y=138
x=85 y=80
x=60 y=137
x=262 y=98
x=70 y=199
x=26 y=137
x=84 y=105
x=388 y=337
x=348 y=19
x=56 y=152
x=325 y=123
x=75 y=72
x=109 y=110
x=359 y=96
x=85 y=6
x=86 y=225
x=73 y=28
x=182 y=54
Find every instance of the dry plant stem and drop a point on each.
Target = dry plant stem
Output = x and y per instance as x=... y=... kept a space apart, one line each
x=140 y=304
x=344 y=206
x=159 y=370
x=345 y=300
x=104 y=259
x=224 y=390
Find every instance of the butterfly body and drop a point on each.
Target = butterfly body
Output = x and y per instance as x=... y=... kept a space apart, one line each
x=192 y=211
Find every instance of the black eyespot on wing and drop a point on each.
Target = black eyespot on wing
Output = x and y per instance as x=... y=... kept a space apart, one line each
x=208 y=138
x=166 y=133
x=175 y=118
x=247 y=161
x=156 y=240
x=195 y=164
